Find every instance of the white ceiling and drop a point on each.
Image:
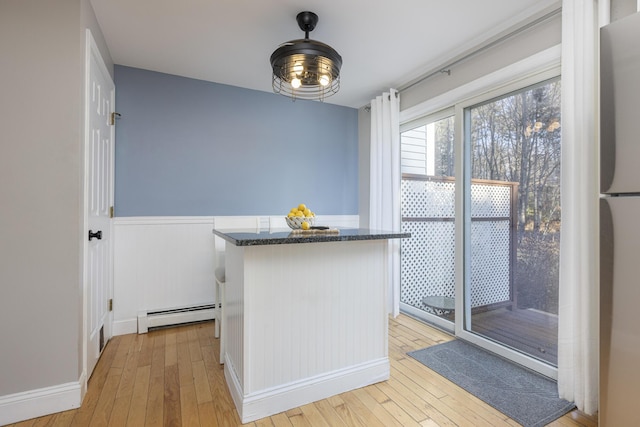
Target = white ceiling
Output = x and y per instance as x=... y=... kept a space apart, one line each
x=383 y=43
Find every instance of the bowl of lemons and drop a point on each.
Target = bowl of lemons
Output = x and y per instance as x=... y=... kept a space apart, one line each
x=300 y=217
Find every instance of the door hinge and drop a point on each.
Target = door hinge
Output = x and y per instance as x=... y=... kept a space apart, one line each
x=111 y=212
x=114 y=116
x=111 y=304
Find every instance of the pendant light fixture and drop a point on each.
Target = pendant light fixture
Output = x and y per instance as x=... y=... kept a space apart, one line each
x=306 y=68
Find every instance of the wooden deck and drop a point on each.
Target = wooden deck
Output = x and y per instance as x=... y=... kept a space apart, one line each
x=530 y=331
x=527 y=330
x=172 y=377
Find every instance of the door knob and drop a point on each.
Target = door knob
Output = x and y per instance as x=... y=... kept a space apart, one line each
x=97 y=235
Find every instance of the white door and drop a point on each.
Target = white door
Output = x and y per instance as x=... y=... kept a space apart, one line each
x=99 y=154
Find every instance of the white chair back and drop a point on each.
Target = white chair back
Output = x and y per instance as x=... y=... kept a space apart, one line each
x=231 y=223
x=226 y=223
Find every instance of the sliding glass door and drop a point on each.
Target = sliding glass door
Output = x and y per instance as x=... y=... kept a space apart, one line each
x=512 y=224
x=483 y=260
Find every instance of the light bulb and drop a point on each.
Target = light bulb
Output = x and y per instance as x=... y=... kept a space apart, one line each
x=295 y=83
x=298 y=68
x=324 y=80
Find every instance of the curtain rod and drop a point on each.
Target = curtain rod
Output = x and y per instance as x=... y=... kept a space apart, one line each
x=367 y=108
x=447 y=68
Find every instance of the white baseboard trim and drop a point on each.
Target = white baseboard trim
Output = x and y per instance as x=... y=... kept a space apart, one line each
x=272 y=401
x=124 y=327
x=36 y=403
x=83 y=385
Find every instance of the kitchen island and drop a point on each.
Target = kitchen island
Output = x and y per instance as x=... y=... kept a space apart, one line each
x=305 y=316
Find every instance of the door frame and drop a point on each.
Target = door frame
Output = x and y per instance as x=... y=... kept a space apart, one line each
x=91 y=50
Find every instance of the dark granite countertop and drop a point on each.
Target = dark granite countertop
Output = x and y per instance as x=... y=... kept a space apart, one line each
x=248 y=238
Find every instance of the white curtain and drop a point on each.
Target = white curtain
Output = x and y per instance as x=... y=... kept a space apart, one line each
x=384 y=196
x=579 y=265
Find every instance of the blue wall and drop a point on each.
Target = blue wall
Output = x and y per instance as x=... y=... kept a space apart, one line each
x=190 y=147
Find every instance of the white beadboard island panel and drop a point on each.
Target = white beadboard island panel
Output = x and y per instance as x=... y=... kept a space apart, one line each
x=304 y=322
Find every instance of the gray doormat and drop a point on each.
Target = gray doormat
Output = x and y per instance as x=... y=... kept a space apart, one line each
x=525 y=396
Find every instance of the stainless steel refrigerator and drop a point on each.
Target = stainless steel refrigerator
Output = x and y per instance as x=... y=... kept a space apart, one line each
x=620 y=223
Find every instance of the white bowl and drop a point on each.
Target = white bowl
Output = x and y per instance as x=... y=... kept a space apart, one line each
x=295 y=222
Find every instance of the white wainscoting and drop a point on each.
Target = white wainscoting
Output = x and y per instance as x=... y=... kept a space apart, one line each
x=166 y=263
x=160 y=263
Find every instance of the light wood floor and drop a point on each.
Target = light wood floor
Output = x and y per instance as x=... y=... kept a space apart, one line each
x=171 y=377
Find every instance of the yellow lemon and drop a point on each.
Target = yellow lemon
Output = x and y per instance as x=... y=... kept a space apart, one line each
x=307 y=212
x=300 y=214
x=302 y=207
x=294 y=210
x=304 y=225
x=291 y=214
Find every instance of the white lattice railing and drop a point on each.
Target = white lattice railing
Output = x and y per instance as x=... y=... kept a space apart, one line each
x=428 y=209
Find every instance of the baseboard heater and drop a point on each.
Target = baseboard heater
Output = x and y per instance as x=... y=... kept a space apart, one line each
x=175 y=316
